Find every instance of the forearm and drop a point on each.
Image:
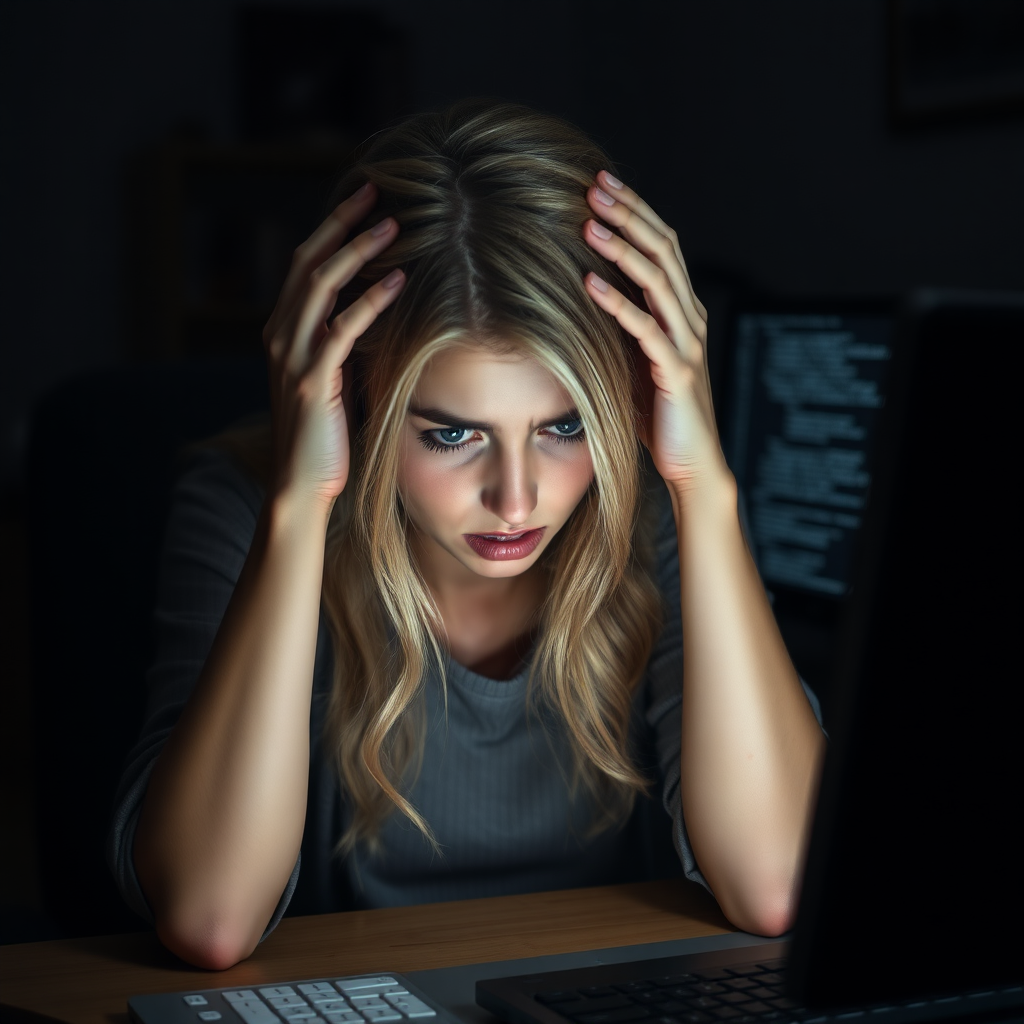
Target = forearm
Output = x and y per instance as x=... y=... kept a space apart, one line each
x=751 y=746
x=222 y=820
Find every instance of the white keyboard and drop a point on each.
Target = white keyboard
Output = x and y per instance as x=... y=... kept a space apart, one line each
x=363 y=999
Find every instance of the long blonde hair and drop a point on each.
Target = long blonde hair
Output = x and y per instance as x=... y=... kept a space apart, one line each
x=491 y=202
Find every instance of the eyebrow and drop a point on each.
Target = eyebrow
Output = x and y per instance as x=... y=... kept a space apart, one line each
x=456 y=422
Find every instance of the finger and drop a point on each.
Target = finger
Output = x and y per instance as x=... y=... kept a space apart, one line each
x=666 y=362
x=350 y=323
x=620 y=192
x=328 y=279
x=648 y=232
x=659 y=292
x=325 y=240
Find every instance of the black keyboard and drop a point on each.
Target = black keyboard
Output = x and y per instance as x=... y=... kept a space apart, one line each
x=740 y=993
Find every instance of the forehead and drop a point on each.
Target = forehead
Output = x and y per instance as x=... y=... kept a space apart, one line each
x=477 y=381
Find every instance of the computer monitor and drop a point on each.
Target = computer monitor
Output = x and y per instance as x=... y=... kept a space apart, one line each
x=914 y=882
x=802 y=387
x=806 y=383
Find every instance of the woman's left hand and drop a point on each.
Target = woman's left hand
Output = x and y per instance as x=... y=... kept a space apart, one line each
x=678 y=420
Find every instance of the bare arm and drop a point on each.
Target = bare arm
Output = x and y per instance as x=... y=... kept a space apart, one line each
x=222 y=819
x=221 y=824
x=751 y=746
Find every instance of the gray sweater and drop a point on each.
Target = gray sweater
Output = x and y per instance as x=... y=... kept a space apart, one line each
x=493 y=785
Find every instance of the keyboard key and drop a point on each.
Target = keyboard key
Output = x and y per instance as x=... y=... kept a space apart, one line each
x=652 y=998
x=673 y=980
x=341 y=1016
x=708 y=988
x=196 y=1001
x=357 y=985
x=713 y=974
x=315 y=987
x=361 y=1002
x=705 y=1002
x=672 y=1006
x=731 y=998
x=209 y=1015
x=255 y=1011
x=739 y=984
x=595 y=991
x=280 y=990
x=743 y=970
x=630 y=987
x=772 y=978
x=413 y=1008
x=239 y=997
x=380 y=1013
x=302 y=1013
x=292 y=1000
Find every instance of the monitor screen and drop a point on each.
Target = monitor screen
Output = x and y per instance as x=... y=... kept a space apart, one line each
x=806 y=386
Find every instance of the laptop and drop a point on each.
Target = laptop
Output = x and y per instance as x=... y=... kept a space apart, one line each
x=911 y=907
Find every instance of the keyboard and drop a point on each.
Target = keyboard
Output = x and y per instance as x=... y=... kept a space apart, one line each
x=739 y=993
x=359 y=999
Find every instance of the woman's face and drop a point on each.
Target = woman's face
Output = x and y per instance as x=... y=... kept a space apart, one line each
x=492 y=445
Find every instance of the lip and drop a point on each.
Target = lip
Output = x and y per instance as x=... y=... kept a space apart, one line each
x=505 y=550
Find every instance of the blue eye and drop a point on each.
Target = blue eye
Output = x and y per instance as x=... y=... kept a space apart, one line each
x=447 y=444
x=575 y=432
x=451 y=439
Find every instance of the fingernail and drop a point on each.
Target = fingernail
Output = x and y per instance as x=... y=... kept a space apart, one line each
x=600 y=230
x=610 y=180
x=604 y=197
x=392 y=279
x=382 y=227
x=359 y=193
x=599 y=283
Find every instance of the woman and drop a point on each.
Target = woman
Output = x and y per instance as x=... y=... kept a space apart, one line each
x=438 y=631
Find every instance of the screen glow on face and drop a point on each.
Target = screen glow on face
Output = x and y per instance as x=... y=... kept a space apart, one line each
x=493 y=446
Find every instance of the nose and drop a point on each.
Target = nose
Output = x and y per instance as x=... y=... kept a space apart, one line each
x=510 y=490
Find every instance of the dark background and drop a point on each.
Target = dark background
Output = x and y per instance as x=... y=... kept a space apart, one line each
x=797 y=147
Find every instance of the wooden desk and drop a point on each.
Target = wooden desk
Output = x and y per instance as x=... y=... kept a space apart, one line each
x=88 y=981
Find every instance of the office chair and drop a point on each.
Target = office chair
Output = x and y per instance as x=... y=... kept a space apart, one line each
x=101 y=462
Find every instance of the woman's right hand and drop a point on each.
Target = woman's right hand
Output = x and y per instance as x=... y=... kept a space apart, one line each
x=305 y=355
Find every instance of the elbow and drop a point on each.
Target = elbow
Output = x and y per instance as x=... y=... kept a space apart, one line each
x=769 y=910
x=206 y=941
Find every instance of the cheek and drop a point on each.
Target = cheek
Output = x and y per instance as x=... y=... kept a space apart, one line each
x=576 y=475
x=422 y=483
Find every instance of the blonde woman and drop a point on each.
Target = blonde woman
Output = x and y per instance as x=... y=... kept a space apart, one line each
x=422 y=636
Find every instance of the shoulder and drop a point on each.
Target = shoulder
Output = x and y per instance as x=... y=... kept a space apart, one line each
x=215 y=504
x=229 y=469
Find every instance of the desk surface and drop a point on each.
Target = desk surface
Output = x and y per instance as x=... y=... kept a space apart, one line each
x=88 y=981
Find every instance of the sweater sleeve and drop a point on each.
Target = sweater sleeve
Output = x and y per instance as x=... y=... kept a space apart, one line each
x=211 y=524
x=665 y=681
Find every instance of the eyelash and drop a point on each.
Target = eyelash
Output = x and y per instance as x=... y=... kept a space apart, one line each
x=435 y=446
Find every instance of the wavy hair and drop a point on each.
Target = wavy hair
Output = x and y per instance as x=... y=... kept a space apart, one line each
x=490 y=199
